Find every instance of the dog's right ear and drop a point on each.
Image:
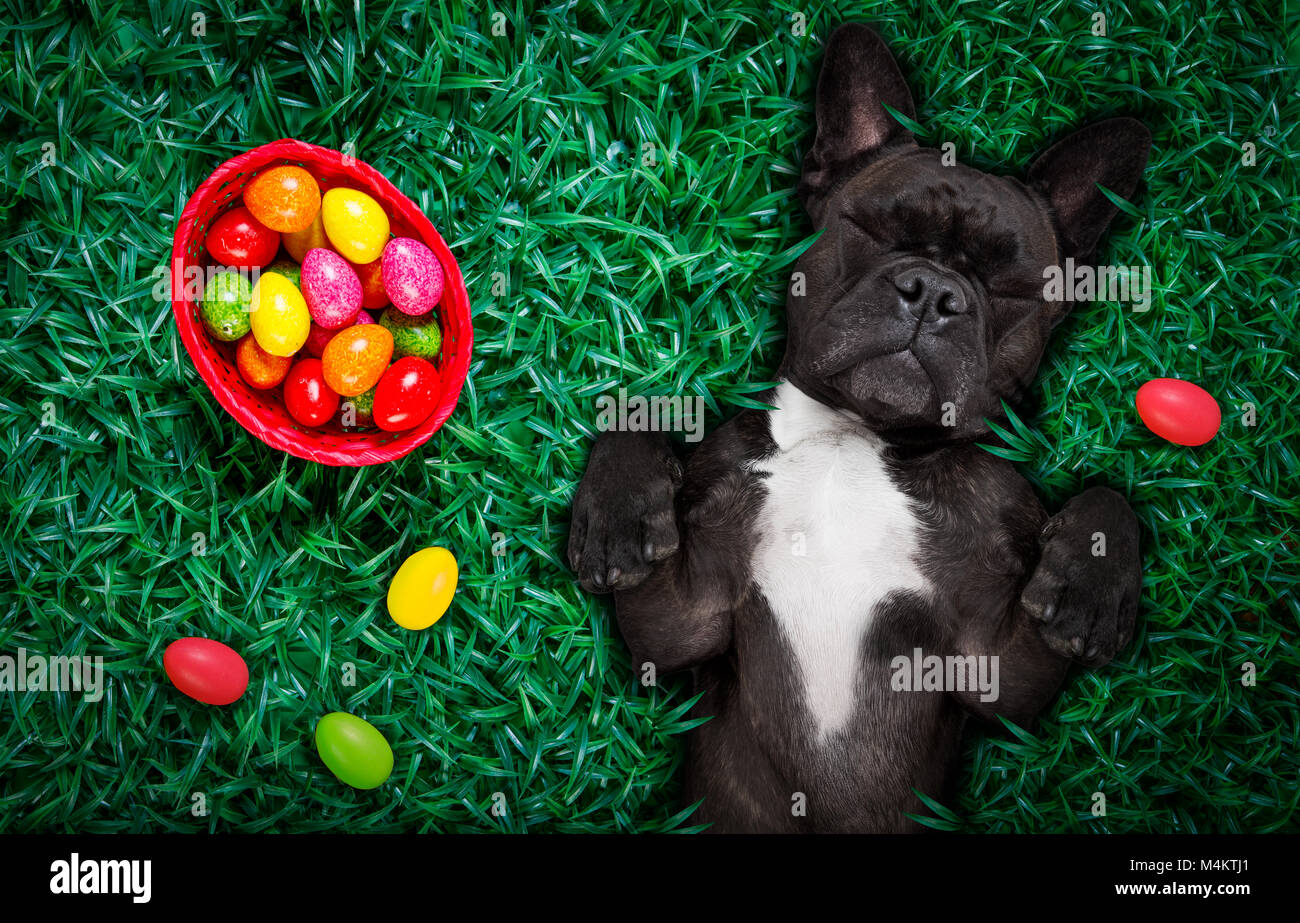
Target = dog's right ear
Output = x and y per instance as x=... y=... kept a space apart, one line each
x=858 y=76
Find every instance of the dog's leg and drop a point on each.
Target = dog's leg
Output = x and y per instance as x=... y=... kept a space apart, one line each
x=631 y=533
x=1080 y=604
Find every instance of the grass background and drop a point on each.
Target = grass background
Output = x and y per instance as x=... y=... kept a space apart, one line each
x=527 y=150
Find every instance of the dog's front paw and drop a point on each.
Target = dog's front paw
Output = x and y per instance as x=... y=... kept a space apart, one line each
x=1085 y=590
x=624 y=512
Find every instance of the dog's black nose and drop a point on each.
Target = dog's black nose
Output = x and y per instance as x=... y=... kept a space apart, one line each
x=928 y=294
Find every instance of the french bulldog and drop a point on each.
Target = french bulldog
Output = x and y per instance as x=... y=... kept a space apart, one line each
x=812 y=563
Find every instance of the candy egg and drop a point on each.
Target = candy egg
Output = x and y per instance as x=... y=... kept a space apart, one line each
x=372 y=284
x=412 y=275
x=206 y=670
x=317 y=339
x=310 y=238
x=355 y=224
x=239 y=239
x=422 y=588
x=289 y=269
x=279 y=315
x=331 y=287
x=307 y=397
x=356 y=357
x=354 y=750
x=259 y=368
x=1178 y=411
x=406 y=394
x=283 y=198
x=320 y=336
x=362 y=409
x=413 y=336
x=224 y=308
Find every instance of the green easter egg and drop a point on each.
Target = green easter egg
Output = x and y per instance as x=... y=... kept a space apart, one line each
x=289 y=269
x=224 y=307
x=413 y=336
x=354 y=750
x=364 y=406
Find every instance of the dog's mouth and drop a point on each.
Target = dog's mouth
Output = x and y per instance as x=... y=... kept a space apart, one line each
x=885 y=376
x=893 y=366
x=894 y=386
x=856 y=343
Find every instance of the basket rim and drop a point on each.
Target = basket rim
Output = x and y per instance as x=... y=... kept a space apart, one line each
x=304 y=446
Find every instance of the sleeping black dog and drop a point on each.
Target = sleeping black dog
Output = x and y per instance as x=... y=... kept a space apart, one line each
x=849 y=575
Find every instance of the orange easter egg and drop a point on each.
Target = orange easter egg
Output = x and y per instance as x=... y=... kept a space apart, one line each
x=285 y=199
x=356 y=358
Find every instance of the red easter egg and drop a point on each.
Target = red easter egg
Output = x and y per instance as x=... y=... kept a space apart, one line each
x=318 y=339
x=206 y=670
x=307 y=397
x=406 y=395
x=373 y=294
x=239 y=239
x=1178 y=411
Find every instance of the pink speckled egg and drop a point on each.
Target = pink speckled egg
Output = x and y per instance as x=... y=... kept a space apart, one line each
x=320 y=336
x=331 y=287
x=412 y=276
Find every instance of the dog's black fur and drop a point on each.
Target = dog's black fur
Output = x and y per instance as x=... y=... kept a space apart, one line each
x=924 y=289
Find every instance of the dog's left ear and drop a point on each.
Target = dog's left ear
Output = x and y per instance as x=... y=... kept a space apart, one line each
x=858 y=76
x=1112 y=153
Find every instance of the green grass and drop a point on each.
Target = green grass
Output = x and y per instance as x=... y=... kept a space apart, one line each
x=526 y=151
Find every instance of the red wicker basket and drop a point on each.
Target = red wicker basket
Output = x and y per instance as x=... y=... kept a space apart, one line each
x=262 y=413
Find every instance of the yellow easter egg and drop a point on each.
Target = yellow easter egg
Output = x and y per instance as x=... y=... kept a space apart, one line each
x=355 y=224
x=422 y=588
x=279 y=315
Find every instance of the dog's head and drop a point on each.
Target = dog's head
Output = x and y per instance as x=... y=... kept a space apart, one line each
x=921 y=305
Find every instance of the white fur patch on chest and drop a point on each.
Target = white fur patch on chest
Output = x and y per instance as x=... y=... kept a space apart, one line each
x=836 y=537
